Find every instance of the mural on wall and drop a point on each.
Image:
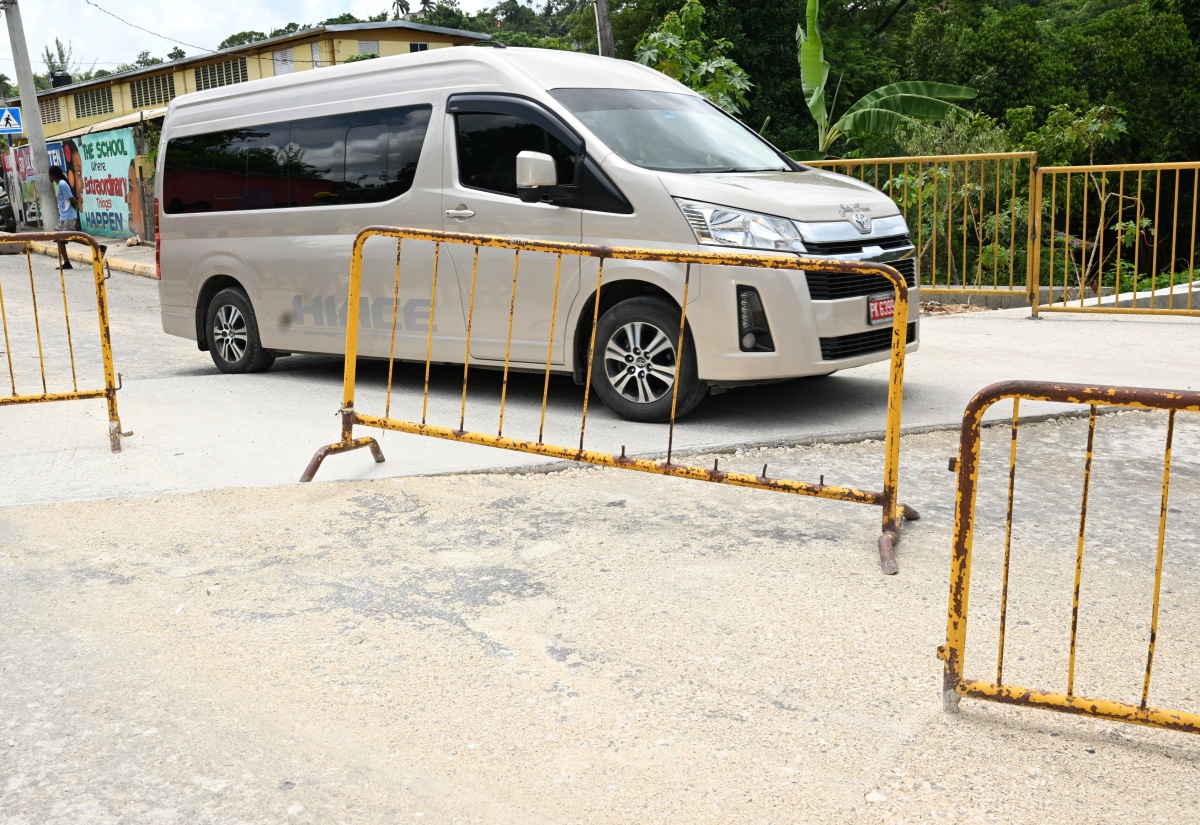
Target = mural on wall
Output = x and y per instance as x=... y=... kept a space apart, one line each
x=111 y=199
x=26 y=174
x=101 y=172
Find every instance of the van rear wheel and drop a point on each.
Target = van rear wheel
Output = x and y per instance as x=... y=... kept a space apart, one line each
x=634 y=365
x=232 y=333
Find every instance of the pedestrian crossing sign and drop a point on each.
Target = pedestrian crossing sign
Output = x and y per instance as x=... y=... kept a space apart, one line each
x=10 y=121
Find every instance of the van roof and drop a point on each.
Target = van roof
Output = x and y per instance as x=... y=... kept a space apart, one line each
x=518 y=70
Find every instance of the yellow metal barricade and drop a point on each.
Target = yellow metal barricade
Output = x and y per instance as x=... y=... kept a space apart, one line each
x=48 y=393
x=969 y=216
x=893 y=511
x=955 y=684
x=1118 y=239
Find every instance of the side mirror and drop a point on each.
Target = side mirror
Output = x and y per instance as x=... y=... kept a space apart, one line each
x=535 y=171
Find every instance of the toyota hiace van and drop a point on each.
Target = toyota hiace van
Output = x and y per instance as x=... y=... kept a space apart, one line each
x=262 y=187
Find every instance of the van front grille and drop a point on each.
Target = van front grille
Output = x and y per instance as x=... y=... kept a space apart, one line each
x=832 y=248
x=861 y=343
x=833 y=286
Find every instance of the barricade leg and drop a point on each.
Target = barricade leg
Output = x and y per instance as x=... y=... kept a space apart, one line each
x=348 y=443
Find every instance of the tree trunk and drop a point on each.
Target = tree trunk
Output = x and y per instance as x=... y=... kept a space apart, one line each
x=604 y=35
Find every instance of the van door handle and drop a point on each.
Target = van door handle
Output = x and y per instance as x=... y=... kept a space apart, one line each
x=460 y=212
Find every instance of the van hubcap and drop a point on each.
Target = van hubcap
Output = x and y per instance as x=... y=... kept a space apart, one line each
x=229 y=334
x=639 y=361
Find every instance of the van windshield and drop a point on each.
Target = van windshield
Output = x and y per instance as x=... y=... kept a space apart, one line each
x=670 y=132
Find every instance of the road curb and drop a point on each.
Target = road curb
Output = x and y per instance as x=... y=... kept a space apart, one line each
x=144 y=270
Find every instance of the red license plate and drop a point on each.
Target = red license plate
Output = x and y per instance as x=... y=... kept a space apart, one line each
x=880 y=308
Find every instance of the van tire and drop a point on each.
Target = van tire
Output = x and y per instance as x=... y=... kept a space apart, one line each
x=231 y=330
x=644 y=319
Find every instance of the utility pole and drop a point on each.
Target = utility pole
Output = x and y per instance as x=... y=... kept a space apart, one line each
x=31 y=115
x=604 y=35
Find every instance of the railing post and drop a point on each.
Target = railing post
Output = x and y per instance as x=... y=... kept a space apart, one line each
x=1033 y=262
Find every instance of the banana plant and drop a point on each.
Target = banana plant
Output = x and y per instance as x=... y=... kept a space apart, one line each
x=884 y=110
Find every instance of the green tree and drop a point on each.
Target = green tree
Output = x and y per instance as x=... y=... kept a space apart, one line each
x=176 y=54
x=242 y=39
x=354 y=58
x=680 y=49
x=400 y=8
x=888 y=109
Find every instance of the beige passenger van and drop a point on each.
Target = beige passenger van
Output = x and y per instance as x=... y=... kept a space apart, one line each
x=261 y=188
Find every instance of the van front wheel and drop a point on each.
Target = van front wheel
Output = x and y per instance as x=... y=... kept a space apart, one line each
x=634 y=365
x=232 y=333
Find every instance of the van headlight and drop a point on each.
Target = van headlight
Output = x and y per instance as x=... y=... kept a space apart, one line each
x=722 y=226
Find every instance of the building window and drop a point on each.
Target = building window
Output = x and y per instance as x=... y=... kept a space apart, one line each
x=368 y=47
x=51 y=111
x=221 y=74
x=152 y=91
x=418 y=47
x=93 y=102
x=285 y=62
x=316 y=55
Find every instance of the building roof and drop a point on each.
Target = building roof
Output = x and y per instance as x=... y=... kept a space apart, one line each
x=259 y=46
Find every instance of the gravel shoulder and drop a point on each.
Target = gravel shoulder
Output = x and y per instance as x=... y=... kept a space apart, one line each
x=594 y=646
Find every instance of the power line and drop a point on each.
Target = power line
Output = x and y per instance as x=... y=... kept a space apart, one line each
x=147 y=31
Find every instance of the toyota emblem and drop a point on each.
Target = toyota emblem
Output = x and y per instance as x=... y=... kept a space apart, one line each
x=862 y=222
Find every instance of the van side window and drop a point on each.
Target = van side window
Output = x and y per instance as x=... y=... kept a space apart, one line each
x=488 y=145
x=359 y=157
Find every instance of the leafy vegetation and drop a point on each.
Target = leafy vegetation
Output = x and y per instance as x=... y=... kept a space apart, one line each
x=680 y=49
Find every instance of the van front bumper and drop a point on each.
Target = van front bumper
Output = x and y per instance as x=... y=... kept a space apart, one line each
x=811 y=337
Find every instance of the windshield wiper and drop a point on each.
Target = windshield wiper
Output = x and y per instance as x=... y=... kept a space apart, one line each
x=722 y=169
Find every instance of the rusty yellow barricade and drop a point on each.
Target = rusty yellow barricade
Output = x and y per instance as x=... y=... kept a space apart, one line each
x=111 y=379
x=955 y=684
x=969 y=216
x=1118 y=239
x=894 y=512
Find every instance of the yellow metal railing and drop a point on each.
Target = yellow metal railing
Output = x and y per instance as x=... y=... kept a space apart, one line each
x=893 y=511
x=111 y=379
x=955 y=684
x=968 y=216
x=1119 y=239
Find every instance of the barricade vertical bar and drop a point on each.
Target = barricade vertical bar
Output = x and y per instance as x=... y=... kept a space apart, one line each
x=587 y=384
x=387 y=407
x=36 y=323
x=1087 y=477
x=1120 y=227
x=1067 y=243
x=550 y=349
x=12 y=375
x=62 y=279
x=1012 y=226
x=437 y=249
x=1012 y=483
x=1137 y=232
x=512 y=306
x=1053 y=220
x=933 y=239
x=1158 y=564
x=995 y=236
x=920 y=213
x=462 y=415
x=1033 y=257
x=1192 y=246
x=110 y=377
x=1100 y=236
x=968 y=210
x=687 y=280
x=1154 y=234
x=1174 y=237
x=354 y=290
x=1083 y=234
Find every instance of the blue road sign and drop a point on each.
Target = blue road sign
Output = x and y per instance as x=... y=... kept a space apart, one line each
x=10 y=121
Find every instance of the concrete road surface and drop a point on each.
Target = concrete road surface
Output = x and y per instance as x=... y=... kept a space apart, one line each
x=597 y=646
x=196 y=429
